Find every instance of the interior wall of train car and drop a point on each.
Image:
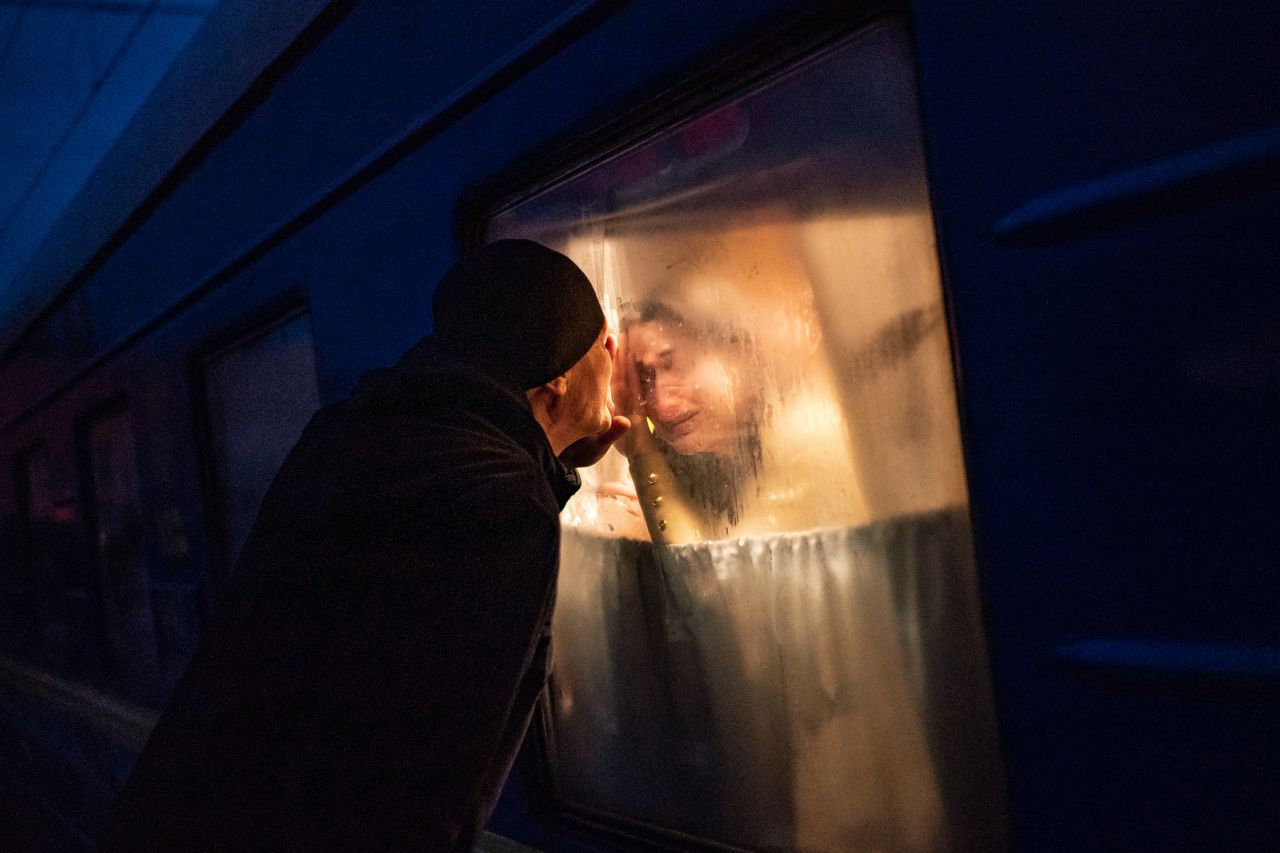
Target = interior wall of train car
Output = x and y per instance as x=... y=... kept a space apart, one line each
x=1086 y=350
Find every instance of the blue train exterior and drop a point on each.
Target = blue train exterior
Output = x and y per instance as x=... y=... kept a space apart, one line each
x=1103 y=180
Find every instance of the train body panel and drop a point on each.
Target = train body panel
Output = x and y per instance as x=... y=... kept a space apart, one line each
x=1103 y=187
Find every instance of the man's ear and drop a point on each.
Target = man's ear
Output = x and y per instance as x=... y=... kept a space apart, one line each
x=557 y=387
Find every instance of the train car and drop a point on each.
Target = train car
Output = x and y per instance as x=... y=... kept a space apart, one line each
x=964 y=335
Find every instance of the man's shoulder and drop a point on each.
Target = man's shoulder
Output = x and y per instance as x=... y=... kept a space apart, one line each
x=394 y=445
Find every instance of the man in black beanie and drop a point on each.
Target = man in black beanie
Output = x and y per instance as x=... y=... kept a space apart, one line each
x=384 y=637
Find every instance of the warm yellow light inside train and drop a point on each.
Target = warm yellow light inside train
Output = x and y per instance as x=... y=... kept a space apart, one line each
x=777 y=373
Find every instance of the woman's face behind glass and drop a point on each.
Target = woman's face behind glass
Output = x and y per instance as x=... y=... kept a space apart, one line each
x=691 y=390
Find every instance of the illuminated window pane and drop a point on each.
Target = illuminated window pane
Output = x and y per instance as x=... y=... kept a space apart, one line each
x=767 y=628
x=260 y=393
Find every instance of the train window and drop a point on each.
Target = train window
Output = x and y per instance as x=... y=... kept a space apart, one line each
x=768 y=633
x=34 y=496
x=47 y=593
x=114 y=506
x=259 y=392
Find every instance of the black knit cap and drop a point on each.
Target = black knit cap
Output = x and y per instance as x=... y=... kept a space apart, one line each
x=519 y=311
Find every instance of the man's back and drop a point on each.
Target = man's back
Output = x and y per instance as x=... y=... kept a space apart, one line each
x=380 y=647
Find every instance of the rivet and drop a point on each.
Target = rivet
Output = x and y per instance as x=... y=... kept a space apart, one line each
x=657 y=502
x=662 y=524
x=651 y=479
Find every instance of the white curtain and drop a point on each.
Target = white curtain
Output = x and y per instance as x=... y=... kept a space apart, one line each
x=822 y=690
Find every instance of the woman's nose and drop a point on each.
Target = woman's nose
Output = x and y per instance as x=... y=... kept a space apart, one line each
x=665 y=402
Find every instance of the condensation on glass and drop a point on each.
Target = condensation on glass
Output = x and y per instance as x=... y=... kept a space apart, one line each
x=768 y=631
x=259 y=393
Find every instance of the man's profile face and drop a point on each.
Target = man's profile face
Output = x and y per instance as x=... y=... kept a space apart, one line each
x=587 y=402
x=689 y=388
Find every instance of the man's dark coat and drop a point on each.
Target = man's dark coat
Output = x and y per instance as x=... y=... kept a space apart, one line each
x=382 y=642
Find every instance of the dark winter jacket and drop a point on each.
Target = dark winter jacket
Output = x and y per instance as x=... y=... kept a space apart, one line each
x=382 y=642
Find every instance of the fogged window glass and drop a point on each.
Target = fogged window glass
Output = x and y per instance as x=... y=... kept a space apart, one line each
x=767 y=631
x=260 y=393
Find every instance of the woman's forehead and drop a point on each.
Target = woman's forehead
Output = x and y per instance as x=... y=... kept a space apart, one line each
x=665 y=330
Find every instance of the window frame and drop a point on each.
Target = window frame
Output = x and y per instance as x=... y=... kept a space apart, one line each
x=748 y=67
